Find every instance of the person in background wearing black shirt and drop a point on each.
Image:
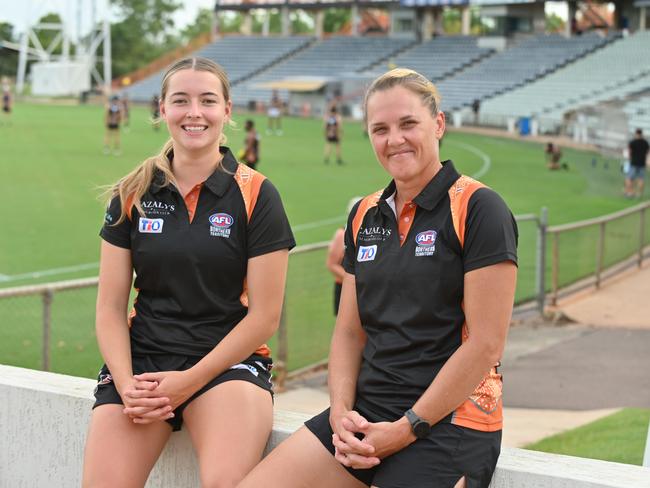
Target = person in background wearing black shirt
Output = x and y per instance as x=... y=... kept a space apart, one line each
x=638 y=151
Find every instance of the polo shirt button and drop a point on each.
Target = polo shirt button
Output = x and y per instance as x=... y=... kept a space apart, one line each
x=406 y=219
x=401 y=237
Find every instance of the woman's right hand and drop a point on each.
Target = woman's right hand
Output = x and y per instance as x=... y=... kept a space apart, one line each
x=144 y=405
x=350 y=450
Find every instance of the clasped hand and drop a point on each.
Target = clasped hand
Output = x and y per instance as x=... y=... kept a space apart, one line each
x=361 y=444
x=154 y=396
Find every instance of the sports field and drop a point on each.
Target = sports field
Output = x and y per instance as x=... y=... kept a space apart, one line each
x=52 y=169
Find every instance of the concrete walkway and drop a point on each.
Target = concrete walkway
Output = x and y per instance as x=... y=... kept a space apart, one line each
x=558 y=377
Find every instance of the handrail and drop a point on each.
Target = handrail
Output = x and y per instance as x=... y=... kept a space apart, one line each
x=599 y=220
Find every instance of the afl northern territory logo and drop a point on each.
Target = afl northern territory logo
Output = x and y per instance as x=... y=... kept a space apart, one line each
x=426 y=243
x=220 y=224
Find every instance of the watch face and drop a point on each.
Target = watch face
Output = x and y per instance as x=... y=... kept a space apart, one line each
x=421 y=429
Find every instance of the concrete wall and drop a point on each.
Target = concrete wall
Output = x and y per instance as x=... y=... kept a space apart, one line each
x=43 y=419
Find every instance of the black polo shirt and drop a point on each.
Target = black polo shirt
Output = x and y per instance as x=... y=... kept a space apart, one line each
x=409 y=282
x=190 y=256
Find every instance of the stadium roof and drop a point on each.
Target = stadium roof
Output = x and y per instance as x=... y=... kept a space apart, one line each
x=296 y=84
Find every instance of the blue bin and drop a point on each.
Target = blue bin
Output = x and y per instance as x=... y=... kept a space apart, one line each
x=524 y=126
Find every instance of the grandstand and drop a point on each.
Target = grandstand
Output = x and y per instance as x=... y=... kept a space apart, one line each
x=241 y=57
x=614 y=72
x=442 y=56
x=525 y=61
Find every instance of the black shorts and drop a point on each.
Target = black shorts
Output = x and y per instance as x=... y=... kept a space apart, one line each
x=333 y=139
x=6 y=109
x=113 y=126
x=255 y=369
x=337 y=297
x=449 y=453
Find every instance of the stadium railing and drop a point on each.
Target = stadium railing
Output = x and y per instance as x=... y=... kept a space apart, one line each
x=49 y=326
x=585 y=253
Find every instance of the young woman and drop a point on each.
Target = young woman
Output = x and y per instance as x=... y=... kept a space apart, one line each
x=430 y=269
x=203 y=234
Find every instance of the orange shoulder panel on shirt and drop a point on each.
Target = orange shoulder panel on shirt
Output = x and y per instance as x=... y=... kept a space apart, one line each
x=249 y=182
x=366 y=204
x=459 y=195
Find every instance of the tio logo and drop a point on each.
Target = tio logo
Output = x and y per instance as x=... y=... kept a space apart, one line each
x=150 y=226
x=367 y=253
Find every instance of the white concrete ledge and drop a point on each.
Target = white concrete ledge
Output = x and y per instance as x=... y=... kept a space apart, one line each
x=44 y=417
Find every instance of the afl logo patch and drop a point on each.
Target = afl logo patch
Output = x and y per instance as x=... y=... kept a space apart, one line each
x=426 y=243
x=220 y=224
x=221 y=220
x=426 y=238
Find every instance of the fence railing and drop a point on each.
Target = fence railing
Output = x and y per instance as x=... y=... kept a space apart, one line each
x=597 y=247
x=61 y=337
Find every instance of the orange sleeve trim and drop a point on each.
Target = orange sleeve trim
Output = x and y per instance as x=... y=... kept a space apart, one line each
x=366 y=204
x=459 y=194
x=250 y=183
x=129 y=206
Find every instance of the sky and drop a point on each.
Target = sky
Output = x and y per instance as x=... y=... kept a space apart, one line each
x=23 y=13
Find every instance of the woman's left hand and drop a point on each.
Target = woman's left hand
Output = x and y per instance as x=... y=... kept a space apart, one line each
x=175 y=385
x=386 y=437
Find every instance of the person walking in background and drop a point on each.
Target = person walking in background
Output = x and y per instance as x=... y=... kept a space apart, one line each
x=638 y=154
x=154 y=107
x=274 y=113
x=6 y=101
x=333 y=132
x=427 y=297
x=203 y=234
x=334 y=260
x=113 y=118
x=251 y=151
x=126 y=112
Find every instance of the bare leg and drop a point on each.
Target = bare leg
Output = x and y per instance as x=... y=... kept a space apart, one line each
x=229 y=425
x=119 y=452
x=300 y=462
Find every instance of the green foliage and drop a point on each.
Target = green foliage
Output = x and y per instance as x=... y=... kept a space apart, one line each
x=230 y=22
x=8 y=57
x=335 y=19
x=143 y=34
x=201 y=25
x=554 y=23
x=618 y=438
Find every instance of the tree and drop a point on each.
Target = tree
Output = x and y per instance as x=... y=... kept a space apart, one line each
x=335 y=19
x=46 y=36
x=554 y=23
x=201 y=25
x=143 y=34
x=8 y=57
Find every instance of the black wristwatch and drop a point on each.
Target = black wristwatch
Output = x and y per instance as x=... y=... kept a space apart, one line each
x=420 y=427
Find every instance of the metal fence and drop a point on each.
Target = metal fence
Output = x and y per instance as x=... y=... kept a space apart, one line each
x=51 y=326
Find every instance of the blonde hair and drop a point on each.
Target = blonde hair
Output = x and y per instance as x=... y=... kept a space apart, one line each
x=409 y=79
x=134 y=185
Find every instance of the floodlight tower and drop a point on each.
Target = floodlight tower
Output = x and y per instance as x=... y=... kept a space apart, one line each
x=74 y=73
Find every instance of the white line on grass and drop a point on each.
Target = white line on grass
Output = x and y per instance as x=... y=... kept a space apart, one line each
x=48 y=272
x=487 y=161
x=319 y=223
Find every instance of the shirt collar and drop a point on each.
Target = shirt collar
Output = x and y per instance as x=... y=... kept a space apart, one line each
x=217 y=182
x=434 y=191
